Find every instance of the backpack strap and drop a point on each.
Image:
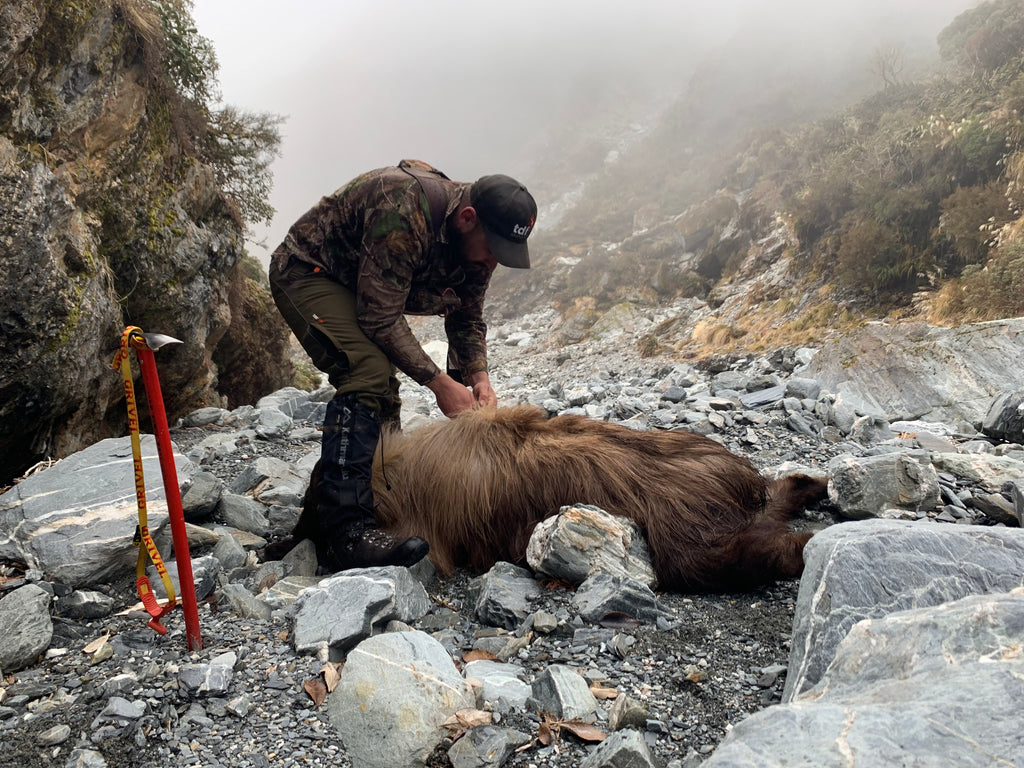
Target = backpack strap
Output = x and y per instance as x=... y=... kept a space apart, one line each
x=437 y=197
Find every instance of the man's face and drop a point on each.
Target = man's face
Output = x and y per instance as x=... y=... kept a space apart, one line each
x=475 y=250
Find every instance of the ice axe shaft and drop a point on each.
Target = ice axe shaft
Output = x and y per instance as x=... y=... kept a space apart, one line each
x=147 y=362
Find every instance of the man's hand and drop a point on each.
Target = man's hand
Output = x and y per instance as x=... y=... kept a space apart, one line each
x=483 y=393
x=452 y=398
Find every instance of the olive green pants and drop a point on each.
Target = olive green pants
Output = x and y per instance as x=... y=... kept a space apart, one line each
x=322 y=314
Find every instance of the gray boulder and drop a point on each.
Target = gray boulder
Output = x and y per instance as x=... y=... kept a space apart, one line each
x=75 y=521
x=501 y=684
x=346 y=608
x=395 y=692
x=603 y=594
x=869 y=569
x=210 y=679
x=931 y=686
x=623 y=749
x=984 y=468
x=486 y=745
x=802 y=388
x=25 y=627
x=582 y=540
x=501 y=597
x=267 y=472
x=867 y=486
x=1004 y=419
x=200 y=498
x=563 y=692
x=86 y=604
x=243 y=513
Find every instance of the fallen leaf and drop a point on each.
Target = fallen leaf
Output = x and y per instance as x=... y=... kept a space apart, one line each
x=96 y=644
x=584 y=731
x=471 y=718
x=316 y=689
x=603 y=693
x=104 y=652
x=544 y=735
x=283 y=635
x=332 y=674
x=477 y=655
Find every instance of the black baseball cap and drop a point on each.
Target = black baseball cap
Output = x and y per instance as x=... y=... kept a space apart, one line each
x=507 y=212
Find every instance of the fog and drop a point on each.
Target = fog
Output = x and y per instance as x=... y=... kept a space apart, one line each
x=476 y=88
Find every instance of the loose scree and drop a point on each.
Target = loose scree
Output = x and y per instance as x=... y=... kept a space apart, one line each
x=475 y=486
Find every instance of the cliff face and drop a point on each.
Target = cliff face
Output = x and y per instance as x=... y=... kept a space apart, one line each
x=107 y=219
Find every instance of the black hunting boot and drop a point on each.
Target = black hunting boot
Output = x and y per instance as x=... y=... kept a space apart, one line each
x=346 y=532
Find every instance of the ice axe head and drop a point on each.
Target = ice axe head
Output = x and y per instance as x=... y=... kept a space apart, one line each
x=156 y=340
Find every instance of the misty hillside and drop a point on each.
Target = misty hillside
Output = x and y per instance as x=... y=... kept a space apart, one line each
x=782 y=196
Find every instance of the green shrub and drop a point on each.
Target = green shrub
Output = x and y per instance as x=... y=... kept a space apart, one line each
x=969 y=219
x=985 y=37
x=989 y=292
x=981 y=148
x=871 y=257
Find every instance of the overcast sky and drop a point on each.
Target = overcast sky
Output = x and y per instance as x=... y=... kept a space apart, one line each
x=470 y=86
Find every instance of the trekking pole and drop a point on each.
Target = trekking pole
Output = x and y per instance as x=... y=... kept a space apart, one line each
x=144 y=344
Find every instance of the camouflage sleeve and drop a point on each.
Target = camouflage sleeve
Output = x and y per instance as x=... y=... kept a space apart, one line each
x=466 y=329
x=392 y=246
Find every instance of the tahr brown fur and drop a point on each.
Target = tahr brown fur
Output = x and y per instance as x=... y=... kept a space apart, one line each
x=475 y=486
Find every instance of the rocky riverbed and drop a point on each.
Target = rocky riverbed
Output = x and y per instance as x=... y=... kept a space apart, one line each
x=110 y=691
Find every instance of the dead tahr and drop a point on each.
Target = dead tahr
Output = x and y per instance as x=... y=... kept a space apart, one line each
x=475 y=486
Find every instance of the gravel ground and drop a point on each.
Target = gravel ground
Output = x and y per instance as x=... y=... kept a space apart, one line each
x=719 y=658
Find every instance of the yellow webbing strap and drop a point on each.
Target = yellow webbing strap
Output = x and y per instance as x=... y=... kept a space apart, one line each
x=132 y=336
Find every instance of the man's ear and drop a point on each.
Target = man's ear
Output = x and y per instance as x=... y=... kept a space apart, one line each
x=466 y=219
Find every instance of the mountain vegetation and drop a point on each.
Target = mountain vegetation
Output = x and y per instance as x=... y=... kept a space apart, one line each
x=887 y=199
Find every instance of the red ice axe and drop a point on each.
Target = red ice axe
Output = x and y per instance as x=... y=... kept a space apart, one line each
x=144 y=344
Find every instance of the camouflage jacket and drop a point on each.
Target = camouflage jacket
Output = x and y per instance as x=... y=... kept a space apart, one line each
x=374 y=236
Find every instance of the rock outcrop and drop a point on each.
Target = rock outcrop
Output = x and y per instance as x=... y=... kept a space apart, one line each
x=918 y=371
x=107 y=219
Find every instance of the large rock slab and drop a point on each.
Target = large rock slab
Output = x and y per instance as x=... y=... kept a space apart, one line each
x=909 y=646
x=869 y=569
x=932 y=686
x=983 y=468
x=75 y=521
x=395 y=692
x=917 y=371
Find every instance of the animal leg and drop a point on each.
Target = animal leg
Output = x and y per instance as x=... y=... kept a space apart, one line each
x=789 y=495
x=767 y=551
